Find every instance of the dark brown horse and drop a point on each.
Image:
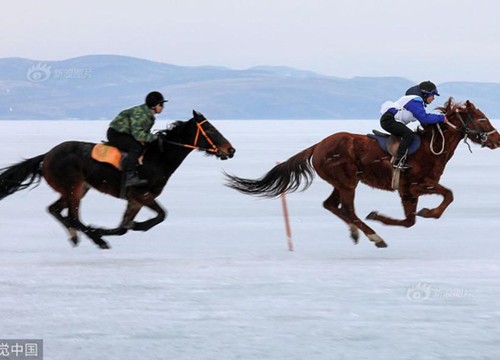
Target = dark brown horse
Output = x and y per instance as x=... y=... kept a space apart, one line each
x=70 y=170
x=344 y=159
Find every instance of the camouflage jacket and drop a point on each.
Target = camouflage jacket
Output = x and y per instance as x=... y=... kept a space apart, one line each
x=136 y=121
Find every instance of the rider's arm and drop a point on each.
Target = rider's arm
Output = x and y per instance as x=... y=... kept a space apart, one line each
x=141 y=122
x=416 y=107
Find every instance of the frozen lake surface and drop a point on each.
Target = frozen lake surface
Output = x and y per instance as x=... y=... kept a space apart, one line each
x=216 y=281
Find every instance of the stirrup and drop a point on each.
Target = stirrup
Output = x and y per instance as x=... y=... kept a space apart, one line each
x=401 y=163
x=401 y=166
x=135 y=181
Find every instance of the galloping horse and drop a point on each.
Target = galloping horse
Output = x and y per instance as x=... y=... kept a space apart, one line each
x=69 y=169
x=344 y=159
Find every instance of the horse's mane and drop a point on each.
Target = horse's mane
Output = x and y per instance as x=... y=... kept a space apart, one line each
x=172 y=133
x=173 y=130
x=449 y=106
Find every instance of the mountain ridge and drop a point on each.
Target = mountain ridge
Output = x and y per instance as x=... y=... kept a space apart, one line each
x=100 y=86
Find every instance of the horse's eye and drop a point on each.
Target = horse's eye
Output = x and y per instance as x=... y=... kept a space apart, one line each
x=209 y=131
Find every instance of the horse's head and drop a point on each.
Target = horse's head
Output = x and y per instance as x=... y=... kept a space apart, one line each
x=471 y=122
x=209 y=139
x=197 y=133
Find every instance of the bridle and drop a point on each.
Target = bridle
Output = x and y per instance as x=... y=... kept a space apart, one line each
x=466 y=131
x=213 y=149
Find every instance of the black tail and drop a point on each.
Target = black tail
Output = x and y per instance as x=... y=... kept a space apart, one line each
x=20 y=176
x=283 y=178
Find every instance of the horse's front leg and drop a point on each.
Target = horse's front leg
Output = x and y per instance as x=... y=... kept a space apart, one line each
x=438 y=211
x=127 y=223
x=148 y=224
x=409 y=206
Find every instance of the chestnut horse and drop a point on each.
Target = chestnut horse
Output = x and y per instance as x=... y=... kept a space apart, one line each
x=69 y=169
x=344 y=159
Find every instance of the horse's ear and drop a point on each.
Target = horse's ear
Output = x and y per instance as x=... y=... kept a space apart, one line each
x=448 y=103
x=198 y=115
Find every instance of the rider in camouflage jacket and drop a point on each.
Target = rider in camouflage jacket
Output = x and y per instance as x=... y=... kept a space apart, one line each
x=136 y=121
x=131 y=130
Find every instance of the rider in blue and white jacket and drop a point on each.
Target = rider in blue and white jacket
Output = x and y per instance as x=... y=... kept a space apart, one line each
x=409 y=108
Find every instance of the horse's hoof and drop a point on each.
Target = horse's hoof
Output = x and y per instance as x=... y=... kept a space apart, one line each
x=354 y=233
x=372 y=216
x=104 y=245
x=423 y=213
x=74 y=241
x=381 y=244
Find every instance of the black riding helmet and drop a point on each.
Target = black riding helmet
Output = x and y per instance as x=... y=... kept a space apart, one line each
x=428 y=88
x=154 y=98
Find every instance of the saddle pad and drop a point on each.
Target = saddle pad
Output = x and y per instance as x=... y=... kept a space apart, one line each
x=390 y=143
x=108 y=154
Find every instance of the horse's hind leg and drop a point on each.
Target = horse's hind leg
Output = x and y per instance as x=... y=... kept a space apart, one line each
x=91 y=232
x=341 y=203
x=332 y=204
x=75 y=196
x=56 y=210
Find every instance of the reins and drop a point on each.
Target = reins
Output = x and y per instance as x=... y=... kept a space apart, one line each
x=199 y=130
x=431 y=145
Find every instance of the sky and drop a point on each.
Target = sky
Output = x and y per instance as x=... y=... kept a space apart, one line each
x=436 y=40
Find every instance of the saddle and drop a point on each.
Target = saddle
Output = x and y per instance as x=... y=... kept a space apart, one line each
x=390 y=143
x=110 y=154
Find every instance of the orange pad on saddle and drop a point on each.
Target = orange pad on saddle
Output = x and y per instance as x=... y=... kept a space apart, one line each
x=107 y=154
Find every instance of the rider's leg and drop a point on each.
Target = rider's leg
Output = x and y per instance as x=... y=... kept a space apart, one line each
x=396 y=128
x=127 y=143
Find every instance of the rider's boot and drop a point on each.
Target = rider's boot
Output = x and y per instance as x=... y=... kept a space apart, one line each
x=132 y=179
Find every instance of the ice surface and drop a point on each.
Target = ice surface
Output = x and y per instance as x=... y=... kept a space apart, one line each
x=216 y=281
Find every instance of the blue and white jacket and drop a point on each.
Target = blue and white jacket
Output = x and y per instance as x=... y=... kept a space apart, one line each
x=411 y=108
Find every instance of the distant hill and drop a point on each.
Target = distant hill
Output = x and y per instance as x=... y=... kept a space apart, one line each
x=98 y=87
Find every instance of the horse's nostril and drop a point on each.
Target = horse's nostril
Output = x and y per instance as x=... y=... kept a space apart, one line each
x=232 y=151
